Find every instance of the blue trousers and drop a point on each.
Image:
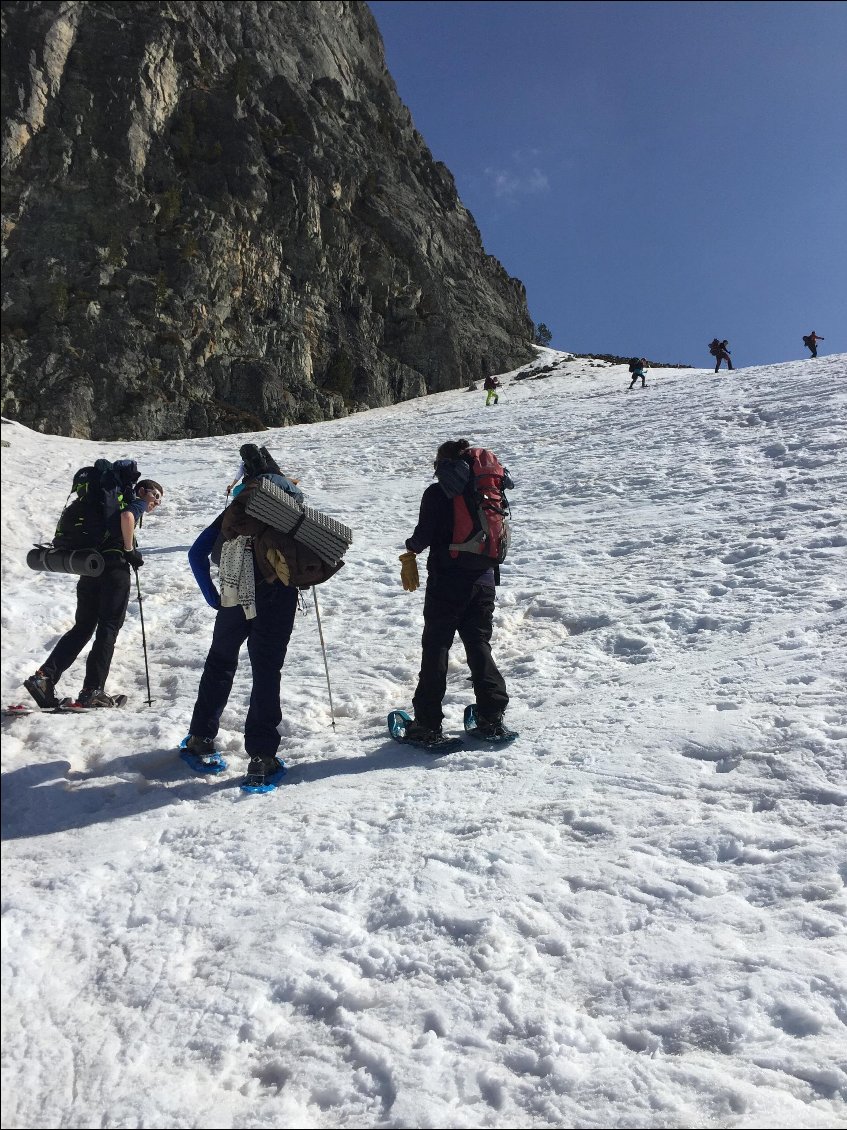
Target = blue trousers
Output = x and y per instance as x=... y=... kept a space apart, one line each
x=267 y=636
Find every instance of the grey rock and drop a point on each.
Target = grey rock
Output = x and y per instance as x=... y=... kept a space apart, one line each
x=219 y=217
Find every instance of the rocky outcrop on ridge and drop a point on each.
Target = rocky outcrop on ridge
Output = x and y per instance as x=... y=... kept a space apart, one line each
x=219 y=217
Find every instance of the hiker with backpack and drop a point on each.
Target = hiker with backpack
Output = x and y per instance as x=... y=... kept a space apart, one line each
x=638 y=368
x=111 y=502
x=720 y=351
x=811 y=342
x=490 y=385
x=463 y=522
x=260 y=570
x=256 y=461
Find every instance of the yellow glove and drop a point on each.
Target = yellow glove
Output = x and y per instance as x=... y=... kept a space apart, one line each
x=409 y=571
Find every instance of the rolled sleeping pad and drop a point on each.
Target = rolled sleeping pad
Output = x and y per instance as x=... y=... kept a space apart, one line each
x=81 y=562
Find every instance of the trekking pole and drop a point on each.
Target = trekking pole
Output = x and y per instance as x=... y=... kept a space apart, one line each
x=323 y=649
x=143 y=637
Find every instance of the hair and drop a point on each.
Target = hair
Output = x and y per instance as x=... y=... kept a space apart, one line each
x=150 y=484
x=452 y=449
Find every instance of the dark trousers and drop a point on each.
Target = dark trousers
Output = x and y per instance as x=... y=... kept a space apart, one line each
x=723 y=357
x=101 y=604
x=456 y=603
x=813 y=349
x=267 y=636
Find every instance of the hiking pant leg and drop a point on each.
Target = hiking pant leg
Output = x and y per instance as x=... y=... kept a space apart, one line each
x=85 y=621
x=475 y=628
x=231 y=630
x=111 y=613
x=267 y=643
x=444 y=606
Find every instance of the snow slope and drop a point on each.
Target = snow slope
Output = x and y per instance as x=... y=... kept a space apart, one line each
x=635 y=916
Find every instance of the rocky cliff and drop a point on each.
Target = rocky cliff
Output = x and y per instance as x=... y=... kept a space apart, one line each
x=220 y=216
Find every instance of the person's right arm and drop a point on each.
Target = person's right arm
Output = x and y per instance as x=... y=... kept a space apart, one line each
x=198 y=559
x=426 y=528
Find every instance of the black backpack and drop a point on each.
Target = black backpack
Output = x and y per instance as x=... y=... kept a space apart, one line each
x=257 y=461
x=102 y=491
x=634 y=363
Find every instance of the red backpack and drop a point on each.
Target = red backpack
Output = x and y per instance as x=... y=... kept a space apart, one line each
x=477 y=482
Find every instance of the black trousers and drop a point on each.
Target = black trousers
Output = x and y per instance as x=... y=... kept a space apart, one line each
x=267 y=636
x=101 y=604
x=457 y=603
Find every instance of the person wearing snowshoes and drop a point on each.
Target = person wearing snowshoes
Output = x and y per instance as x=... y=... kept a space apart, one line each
x=811 y=342
x=255 y=605
x=638 y=368
x=459 y=597
x=720 y=351
x=101 y=604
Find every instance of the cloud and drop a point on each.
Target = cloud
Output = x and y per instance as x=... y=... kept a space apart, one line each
x=508 y=183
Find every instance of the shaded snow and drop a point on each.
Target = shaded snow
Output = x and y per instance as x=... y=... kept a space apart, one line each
x=635 y=916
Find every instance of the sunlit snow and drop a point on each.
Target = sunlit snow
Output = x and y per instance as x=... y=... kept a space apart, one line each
x=634 y=916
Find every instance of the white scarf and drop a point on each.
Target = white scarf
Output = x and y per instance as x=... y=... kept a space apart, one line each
x=238 y=583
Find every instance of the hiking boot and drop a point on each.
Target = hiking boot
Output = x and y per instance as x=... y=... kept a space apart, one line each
x=260 y=768
x=492 y=729
x=204 y=748
x=94 y=696
x=415 y=732
x=42 y=689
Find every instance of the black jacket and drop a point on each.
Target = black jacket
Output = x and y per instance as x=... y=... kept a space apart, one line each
x=435 y=531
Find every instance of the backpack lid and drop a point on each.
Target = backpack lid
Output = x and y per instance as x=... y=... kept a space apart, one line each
x=453 y=475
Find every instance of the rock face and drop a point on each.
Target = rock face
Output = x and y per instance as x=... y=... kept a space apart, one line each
x=219 y=217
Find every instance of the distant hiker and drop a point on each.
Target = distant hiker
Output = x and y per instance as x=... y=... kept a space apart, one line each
x=256 y=603
x=101 y=602
x=638 y=368
x=811 y=342
x=462 y=569
x=720 y=351
x=239 y=475
x=490 y=385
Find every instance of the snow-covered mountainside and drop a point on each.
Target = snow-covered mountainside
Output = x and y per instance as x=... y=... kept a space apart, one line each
x=634 y=916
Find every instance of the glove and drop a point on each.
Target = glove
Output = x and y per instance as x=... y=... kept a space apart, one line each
x=133 y=558
x=409 y=571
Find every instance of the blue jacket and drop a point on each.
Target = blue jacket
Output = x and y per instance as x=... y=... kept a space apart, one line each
x=199 y=559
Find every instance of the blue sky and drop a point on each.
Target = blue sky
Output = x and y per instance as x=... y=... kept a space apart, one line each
x=656 y=174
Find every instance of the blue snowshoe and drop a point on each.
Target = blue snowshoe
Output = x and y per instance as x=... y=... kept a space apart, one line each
x=487 y=731
x=263 y=776
x=200 y=754
x=405 y=730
